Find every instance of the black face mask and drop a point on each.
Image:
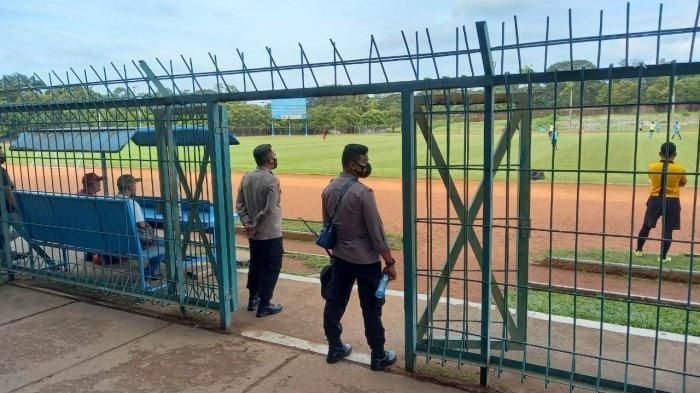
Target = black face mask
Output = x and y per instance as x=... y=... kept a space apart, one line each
x=273 y=162
x=3 y=159
x=364 y=171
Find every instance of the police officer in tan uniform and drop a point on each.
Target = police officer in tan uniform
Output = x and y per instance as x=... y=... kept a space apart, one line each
x=258 y=206
x=360 y=243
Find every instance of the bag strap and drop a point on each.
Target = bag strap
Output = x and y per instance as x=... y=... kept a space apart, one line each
x=342 y=192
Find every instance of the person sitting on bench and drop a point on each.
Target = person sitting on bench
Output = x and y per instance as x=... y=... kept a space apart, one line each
x=91 y=186
x=10 y=203
x=126 y=187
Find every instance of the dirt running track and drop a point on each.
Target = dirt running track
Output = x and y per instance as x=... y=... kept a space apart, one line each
x=301 y=198
x=573 y=210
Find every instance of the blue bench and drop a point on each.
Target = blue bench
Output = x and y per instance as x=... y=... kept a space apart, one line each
x=153 y=212
x=91 y=224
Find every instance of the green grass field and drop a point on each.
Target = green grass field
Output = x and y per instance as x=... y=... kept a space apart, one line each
x=310 y=155
x=395 y=239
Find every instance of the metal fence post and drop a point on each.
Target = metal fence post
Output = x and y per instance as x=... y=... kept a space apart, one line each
x=165 y=148
x=408 y=175
x=524 y=223
x=223 y=207
x=486 y=268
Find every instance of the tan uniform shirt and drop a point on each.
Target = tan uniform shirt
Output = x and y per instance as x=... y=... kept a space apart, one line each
x=359 y=229
x=258 y=203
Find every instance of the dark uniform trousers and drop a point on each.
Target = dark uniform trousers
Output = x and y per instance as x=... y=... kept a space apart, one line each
x=264 y=269
x=343 y=277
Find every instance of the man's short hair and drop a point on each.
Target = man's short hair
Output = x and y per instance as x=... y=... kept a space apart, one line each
x=668 y=149
x=125 y=181
x=352 y=153
x=262 y=153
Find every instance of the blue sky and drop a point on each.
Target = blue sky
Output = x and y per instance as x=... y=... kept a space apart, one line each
x=38 y=36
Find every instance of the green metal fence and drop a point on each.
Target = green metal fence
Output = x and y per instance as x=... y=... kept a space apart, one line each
x=539 y=278
x=180 y=154
x=518 y=252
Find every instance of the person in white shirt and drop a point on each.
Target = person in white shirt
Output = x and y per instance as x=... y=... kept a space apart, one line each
x=126 y=187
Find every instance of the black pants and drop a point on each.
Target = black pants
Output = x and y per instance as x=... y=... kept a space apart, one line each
x=10 y=273
x=264 y=270
x=657 y=207
x=343 y=277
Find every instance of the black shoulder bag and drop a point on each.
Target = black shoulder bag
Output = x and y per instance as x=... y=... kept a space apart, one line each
x=327 y=235
x=326 y=239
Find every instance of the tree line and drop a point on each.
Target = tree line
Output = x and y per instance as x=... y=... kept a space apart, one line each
x=383 y=112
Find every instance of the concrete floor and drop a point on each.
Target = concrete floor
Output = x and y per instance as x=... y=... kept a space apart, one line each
x=50 y=343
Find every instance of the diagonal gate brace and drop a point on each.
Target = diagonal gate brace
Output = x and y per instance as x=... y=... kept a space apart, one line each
x=465 y=219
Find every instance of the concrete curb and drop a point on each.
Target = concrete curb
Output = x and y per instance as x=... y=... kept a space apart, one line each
x=650 y=272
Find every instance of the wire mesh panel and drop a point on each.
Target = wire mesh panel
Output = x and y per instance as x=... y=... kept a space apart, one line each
x=533 y=242
x=557 y=246
x=449 y=216
x=90 y=184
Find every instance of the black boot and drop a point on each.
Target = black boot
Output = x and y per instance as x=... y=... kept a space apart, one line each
x=379 y=363
x=270 y=309
x=253 y=303
x=338 y=352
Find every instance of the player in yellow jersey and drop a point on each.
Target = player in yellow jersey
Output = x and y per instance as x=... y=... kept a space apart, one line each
x=666 y=178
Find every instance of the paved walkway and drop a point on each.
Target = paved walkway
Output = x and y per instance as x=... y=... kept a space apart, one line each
x=300 y=325
x=50 y=343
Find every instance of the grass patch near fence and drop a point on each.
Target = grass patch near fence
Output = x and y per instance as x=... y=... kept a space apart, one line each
x=295 y=225
x=680 y=262
x=315 y=262
x=615 y=311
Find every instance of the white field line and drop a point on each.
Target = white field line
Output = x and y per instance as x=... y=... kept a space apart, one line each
x=610 y=327
x=294 y=342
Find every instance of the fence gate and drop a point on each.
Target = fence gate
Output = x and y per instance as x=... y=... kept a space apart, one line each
x=181 y=158
x=486 y=276
x=448 y=188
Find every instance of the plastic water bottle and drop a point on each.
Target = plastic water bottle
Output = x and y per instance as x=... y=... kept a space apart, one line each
x=382 y=287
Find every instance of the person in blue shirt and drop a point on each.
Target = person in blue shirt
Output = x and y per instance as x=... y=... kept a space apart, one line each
x=554 y=137
x=676 y=130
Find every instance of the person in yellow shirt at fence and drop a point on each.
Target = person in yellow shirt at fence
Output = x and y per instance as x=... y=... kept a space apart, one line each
x=666 y=177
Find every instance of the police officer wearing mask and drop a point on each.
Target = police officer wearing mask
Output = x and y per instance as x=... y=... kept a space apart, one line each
x=360 y=243
x=258 y=206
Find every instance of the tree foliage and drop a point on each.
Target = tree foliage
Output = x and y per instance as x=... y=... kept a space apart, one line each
x=380 y=112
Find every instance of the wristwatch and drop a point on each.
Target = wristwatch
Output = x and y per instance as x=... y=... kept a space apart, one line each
x=390 y=263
